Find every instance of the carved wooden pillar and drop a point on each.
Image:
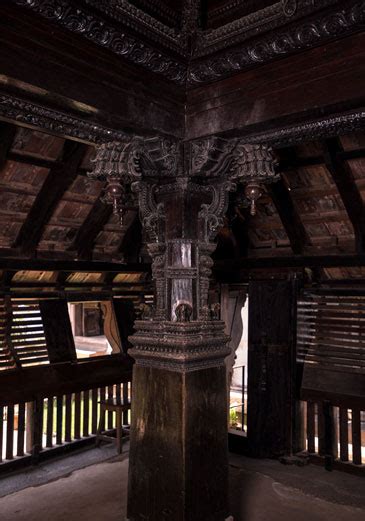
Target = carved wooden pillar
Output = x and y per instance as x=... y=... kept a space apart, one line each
x=178 y=457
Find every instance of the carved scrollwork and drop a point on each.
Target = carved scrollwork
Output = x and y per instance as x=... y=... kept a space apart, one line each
x=253 y=161
x=160 y=157
x=151 y=212
x=97 y=30
x=298 y=36
x=289 y=7
x=211 y=156
x=212 y=214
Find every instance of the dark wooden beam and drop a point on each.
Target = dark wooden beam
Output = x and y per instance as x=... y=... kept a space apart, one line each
x=289 y=216
x=130 y=244
x=59 y=179
x=7 y=134
x=72 y=266
x=343 y=178
x=27 y=384
x=296 y=261
x=85 y=238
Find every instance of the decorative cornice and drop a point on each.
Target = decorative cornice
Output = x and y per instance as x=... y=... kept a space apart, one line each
x=131 y=16
x=312 y=130
x=122 y=28
x=56 y=122
x=299 y=36
x=53 y=121
x=106 y=35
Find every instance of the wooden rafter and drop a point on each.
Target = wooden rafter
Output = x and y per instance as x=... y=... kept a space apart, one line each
x=130 y=244
x=344 y=180
x=60 y=177
x=95 y=221
x=289 y=216
x=71 y=266
x=298 y=261
x=7 y=134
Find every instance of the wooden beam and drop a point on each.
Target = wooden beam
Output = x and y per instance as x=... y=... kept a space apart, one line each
x=7 y=134
x=95 y=221
x=289 y=216
x=72 y=266
x=63 y=378
x=59 y=179
x=296 y=261
x=130 y=244
x=344 y=180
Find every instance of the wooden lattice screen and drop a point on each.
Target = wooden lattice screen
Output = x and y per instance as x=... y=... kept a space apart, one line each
x=7 y=360
x=331 y=332
x=22 y=339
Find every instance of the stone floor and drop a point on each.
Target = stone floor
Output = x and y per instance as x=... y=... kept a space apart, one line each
x=91 y=486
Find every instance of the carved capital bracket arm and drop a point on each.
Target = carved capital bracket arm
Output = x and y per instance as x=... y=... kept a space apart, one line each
x=182 y=190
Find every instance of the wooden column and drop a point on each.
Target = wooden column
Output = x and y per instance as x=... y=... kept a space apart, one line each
x=178 y=467
x=271 y=367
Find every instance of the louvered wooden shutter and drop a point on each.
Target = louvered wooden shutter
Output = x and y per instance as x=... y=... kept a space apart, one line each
x=331 y=332
x=27 y=334
x=7 y=360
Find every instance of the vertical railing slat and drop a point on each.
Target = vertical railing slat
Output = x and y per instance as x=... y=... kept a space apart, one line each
x=49 y=435
x=1 y=432
x=110 y=414
x=68 y=417
x=59 y=420
x=311 y=427
x=21 y=430
x=77 y=416
x=102 y=399
x=356 y=436
x=85 y=423
x=9 y=454
x=125 y=401
x=344 y=434
x=94 y=411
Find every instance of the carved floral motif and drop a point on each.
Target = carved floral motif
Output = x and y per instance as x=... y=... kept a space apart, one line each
x=244 y=42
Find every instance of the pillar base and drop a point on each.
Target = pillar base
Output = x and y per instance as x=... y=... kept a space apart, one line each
x=178 y=465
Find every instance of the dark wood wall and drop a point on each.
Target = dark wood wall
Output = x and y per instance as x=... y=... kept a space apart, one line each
x=62 y=70
x=271 y=367
x=320 y=80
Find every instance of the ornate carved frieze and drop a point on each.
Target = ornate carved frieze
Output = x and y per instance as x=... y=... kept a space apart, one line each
x=185 y=53
x=311 y=130
x=180 y=346
x=100 y=32
x=27 y=113
x=30 y=114
x=298 y=36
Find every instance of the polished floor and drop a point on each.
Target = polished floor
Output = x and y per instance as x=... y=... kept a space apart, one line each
x=91 y=486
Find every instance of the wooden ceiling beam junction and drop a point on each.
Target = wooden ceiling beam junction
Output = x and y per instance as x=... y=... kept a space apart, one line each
x=350 y=195
x=59 y=179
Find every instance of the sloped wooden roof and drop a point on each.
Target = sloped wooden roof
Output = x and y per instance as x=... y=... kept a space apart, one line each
x=75 y=224
x=317 y=208
x=51 y=209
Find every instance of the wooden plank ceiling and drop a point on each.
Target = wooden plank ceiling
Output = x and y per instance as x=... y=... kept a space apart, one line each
x=50 y=209
x=316 y=209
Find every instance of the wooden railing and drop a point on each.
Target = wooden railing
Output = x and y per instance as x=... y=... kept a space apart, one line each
x=51 y=409
x=334 y=434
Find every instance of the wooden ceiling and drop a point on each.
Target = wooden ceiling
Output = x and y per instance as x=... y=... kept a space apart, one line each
x=317 y=208
x=50 y=208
